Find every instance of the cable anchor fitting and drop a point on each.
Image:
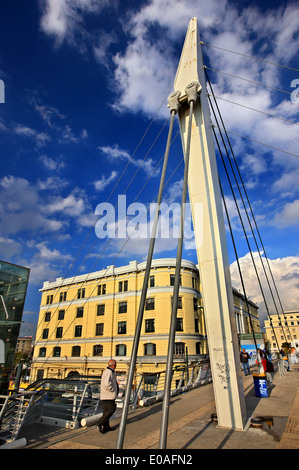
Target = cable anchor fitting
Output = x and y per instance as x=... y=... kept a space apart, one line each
x=173 y=101
x=192 y=91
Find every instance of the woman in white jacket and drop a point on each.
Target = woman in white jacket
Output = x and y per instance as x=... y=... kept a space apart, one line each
x=109 y=392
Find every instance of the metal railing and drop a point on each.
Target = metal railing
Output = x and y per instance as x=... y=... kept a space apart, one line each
x=151 y=386
x=67 y=402
x=17 y=410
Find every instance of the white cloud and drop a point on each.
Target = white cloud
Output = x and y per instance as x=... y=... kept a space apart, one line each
x=51 y=255
x=47 y=112
x=53 y=183
x=101 y=184
x=75 y=205
x=9 y=247
x=41 y=138
x=285 y=272
x=147 y=164
x=63 y=19
x=21 y=208
x=288 y=216
x=51 y=164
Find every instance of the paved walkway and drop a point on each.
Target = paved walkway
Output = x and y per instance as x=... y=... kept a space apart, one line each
x=190 y=425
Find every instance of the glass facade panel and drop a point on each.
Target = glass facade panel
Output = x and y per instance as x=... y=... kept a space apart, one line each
x=13 y=287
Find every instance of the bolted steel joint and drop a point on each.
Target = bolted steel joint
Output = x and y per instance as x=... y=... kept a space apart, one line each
x=192 y=91
x=173 y=101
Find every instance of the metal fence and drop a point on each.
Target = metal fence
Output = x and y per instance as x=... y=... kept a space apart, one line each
x=73 y=401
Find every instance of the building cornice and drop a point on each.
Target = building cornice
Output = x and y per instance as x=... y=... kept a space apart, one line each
x=132 y=267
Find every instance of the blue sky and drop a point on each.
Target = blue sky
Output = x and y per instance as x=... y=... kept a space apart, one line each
x=86 y=86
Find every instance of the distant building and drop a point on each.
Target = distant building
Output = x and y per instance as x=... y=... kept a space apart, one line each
x=87 y=319
x=24 y=344
x=13 y=288
x=284 y=329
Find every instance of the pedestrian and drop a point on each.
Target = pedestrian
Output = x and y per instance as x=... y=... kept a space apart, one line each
x=108 y=394
x=244 y=358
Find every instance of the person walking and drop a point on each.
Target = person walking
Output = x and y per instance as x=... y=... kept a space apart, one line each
x=108 y=394
x=244 y=358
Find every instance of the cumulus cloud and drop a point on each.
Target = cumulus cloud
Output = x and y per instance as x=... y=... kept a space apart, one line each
x=64 y=19
x=285 y=272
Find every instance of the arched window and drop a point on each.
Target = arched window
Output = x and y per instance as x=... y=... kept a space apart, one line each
x=121 y=350
x=56 y=351
x=42 y=352
x=76 y=351
x=149 y=349
x=98 y=350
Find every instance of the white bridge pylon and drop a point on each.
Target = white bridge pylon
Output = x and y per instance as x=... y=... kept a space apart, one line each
x=210 y=238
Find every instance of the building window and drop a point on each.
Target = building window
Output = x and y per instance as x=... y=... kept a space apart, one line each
x=172 y=277
x=150 y=304
x=152 y=281
x=150 y=349
x=122 y=328
x=150 y=383
x=180 y=305
x=47 y=316
x=194 y=282
x=150 y=325
x=61 y=314
x=40 y=374
x=179 y=348
x=49 y=299
x=122 y=286
x=179 y=324
x=101 y=309
x=99 y=329
x=121 y=350
x=81 y=293
x=45 y=333
x=80 y=311
x=102 y=289
x=42 y=352
x=195 y=306
x=122 y=307
x=98 y=350
x=196 y=327
x=59 y=332
x=62 y=296
x=76 y=351
x=197 y=347
x=78 y=331
x=56 y=351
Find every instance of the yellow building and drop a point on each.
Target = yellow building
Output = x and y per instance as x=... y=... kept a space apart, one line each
x=245 y=323
x=88 y=319
x=286 y=330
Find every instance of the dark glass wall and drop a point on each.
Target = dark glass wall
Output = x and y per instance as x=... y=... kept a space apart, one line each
x=13 y=287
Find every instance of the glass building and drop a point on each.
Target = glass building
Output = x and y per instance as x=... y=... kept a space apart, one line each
x=13 y=287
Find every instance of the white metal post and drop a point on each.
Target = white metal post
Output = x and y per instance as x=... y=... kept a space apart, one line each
x=210 y=238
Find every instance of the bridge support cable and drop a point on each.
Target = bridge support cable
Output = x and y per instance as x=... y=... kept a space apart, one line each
x=192 y=96
x=245 y=234
x=248 y=201
x=239 y=269
x=241 y=276
x=174 y=106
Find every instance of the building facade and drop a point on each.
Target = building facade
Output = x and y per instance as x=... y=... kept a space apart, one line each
x=13 y=288
x=285 y=330
x=86 y=320
x=24 y=345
